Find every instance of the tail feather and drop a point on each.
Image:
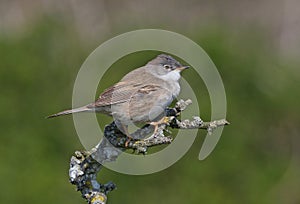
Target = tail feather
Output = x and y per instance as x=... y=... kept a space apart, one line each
x=67 y=112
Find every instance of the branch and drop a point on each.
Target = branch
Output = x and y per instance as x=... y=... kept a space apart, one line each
x=85 y=165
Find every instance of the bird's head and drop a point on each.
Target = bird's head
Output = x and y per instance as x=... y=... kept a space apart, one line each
x=166 y=67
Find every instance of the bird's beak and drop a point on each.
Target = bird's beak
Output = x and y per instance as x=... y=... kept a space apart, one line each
x=182 y=68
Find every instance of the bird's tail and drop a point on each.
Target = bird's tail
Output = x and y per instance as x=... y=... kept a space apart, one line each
x=67 y=112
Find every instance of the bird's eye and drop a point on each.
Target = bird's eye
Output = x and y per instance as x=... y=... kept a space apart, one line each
x=167 y=66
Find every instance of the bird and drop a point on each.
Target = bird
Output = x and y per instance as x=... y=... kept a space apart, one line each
x=141 y=96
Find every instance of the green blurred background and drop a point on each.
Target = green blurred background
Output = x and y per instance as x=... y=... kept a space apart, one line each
x=254 y=44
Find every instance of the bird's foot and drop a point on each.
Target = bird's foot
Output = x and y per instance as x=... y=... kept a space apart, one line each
x=128 y=139
x=156 y=124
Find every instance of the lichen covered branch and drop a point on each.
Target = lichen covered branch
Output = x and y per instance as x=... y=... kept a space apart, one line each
x=85 y=165
x=83 y=173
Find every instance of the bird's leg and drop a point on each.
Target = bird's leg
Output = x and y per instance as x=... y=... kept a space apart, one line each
x=124 y=129
x=164 y=120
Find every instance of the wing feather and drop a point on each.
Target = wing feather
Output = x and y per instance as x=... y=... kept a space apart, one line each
x=120 y=93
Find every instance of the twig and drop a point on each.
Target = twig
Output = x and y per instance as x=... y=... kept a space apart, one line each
x=85 y=165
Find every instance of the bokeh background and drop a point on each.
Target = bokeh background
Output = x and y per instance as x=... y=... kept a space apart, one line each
x=254 y=44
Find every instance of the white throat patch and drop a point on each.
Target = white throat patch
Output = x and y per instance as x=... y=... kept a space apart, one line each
x=171 y=76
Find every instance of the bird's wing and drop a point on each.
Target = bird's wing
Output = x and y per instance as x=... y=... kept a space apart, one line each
x=151 y=95
x=119 y=93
